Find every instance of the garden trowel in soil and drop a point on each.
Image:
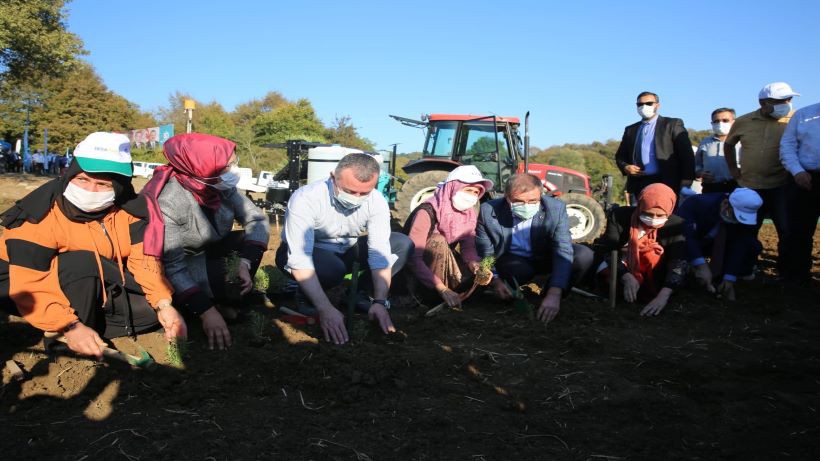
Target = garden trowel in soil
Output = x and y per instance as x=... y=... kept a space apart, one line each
x=144 y=360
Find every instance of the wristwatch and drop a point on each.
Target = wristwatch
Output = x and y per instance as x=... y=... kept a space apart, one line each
x=383 y=302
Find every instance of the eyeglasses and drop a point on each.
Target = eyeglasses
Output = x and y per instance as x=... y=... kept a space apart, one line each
x=724 y=120
x=650 y=103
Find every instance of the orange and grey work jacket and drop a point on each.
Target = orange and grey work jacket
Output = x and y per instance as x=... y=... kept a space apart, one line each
x=31 y=251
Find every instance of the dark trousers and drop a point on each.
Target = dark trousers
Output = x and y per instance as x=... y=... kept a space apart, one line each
x=215 y=259
x=776 y=206
x=750 y=255
x=725 y=187
x=331 y=267
x=804 y=212
x=522 y=269
x=126 y=311
x=635 y=184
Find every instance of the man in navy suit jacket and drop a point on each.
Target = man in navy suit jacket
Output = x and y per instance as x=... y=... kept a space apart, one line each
x=528 y=234
x=656 y=149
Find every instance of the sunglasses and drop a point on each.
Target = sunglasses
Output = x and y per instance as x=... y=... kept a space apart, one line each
x=650 y=103
x=724 y=120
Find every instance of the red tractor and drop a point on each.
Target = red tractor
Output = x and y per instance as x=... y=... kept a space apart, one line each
x=492 y=144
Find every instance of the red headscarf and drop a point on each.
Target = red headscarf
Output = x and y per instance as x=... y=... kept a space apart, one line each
x=191 y=157
x=643 y=254
x=453 y=224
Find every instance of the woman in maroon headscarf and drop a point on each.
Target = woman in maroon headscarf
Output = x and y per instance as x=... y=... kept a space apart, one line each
x=446 y=219
x=655 y=260
x=193 y=204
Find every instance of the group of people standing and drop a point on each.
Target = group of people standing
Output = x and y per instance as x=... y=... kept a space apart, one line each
x=39 y=163
x=86 y=257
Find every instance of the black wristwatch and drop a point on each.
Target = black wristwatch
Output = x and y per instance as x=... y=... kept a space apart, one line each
x=383 y=302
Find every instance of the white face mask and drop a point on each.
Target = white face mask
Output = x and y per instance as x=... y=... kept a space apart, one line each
x=646 y=112
x=781 y=110
x=649 y=221
x=87 y=201
x=721 y=128
x=228 y=180
x=464 y=200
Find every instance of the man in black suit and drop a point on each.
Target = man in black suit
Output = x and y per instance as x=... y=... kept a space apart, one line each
x=656 y=149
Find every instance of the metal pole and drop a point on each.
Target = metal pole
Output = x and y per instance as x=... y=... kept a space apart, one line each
x=613 y=278
x=190 y=120
x=527 y=142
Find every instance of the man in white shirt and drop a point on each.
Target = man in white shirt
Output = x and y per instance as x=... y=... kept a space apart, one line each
x=331 y=224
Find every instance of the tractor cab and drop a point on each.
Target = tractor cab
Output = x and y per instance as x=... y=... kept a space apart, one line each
x=490 y=143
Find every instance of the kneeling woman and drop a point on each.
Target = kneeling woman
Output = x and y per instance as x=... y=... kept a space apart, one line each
x=71 y=257
x=655 y=262
x=194 y=203
x=445 y=220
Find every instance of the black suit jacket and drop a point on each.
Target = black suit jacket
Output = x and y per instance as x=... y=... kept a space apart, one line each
x=676 y=159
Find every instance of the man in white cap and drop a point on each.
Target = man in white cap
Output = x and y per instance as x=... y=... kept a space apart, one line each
x=722 y=226
x=528 y=234
x=760 y=168
x=331 y=224
x=71 y=257
x=800 y=155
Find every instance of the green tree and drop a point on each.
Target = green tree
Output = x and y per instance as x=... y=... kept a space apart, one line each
x=34 y=41
x=290 y=121
x=343 y=132
x=74 y=105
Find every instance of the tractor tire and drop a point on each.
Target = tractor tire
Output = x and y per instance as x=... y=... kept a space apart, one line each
x=414 y=191
x=586 y=217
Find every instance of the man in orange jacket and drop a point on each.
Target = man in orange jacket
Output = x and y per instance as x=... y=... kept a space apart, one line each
x=71 y=257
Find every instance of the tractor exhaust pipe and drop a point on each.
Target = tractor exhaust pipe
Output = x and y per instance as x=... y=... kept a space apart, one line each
x=527 y=142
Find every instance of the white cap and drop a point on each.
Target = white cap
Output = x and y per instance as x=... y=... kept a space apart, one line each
x=777 y=90
x=103 y=152
x=468 y=174
x=745 y=203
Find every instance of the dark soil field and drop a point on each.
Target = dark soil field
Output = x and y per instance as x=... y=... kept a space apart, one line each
x=706 y=379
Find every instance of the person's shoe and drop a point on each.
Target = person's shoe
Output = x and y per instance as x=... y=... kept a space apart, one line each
x=751 y=276
x=303 y=304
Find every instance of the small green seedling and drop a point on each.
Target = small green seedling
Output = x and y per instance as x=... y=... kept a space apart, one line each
x=232 y=263
x=260 y=326
x=177 y=352
x=261 y=280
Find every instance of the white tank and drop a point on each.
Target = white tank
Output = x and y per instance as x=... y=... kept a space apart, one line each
x=322 y=161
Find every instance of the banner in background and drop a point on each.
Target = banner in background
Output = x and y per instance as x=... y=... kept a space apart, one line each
x=151 y=138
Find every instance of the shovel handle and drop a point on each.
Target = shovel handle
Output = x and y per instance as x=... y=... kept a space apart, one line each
x=109 y=353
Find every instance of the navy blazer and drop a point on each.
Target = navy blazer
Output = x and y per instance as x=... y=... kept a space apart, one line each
x=549 y=236
x=673 y=151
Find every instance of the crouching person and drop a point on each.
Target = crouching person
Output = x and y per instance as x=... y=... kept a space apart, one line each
x=194 y=204
x=528 y=234
x=331 y=224
x=722 y=226
x=446 y=220
x=655 y=262
x=71 y=256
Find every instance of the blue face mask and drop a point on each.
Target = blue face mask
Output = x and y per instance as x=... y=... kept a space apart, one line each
x=525 y=211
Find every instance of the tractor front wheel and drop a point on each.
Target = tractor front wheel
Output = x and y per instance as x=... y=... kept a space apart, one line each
x=586 y=217
x=414 y=191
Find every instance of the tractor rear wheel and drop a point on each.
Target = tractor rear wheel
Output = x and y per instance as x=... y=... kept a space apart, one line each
x=414 y=191
x=586 y=217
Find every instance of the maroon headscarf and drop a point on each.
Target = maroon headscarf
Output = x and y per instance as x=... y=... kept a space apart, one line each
x=454 y=225
x=193 y=159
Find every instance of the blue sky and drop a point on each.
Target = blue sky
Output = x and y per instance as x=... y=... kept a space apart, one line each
x=577 y=66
